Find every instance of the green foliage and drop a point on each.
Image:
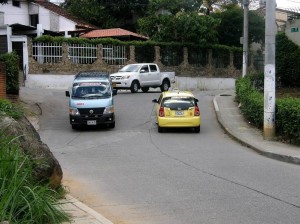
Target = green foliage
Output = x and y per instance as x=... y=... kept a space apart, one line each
x=287 y=115
x=230 y=28
x=11 y=61
x=252 y=102
x=76 y=40
x=183 y=27
x=22 y=199
x=174 y=6
x=288 y=119
x=287 y=62
x=107 y=14
x=11 y=109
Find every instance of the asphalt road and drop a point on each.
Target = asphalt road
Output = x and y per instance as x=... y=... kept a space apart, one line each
x=134 y=175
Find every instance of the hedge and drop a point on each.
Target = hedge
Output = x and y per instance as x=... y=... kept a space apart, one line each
x=287 y=112
x=11 y=61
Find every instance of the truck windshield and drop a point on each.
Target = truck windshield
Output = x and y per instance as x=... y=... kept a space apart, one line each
x=130 y=68
x=92 y=90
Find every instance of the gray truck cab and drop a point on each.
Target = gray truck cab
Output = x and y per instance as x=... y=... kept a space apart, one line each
x=91 y=100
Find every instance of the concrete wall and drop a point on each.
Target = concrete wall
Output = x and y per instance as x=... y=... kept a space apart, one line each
x=54 y=81
x=293 y=36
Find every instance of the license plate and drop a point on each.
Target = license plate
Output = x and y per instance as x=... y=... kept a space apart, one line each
x=92 y=122
x=114 y=84
x=179 y=112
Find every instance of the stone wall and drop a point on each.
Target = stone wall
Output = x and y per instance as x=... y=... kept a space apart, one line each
x=65 y=66
x=2 y=81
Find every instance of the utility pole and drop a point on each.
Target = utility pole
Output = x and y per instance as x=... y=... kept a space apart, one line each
x=269 y=72
x=245 y=37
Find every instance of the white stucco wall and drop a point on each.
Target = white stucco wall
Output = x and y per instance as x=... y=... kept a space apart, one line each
x=66 y=24
x=52 y=81
x=14 y=14
x=44 y=18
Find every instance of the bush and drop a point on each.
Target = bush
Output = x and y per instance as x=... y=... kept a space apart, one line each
x=287 y=114
x=288 y=119
x=11 y=61
x=252 y=101
x=22 y=199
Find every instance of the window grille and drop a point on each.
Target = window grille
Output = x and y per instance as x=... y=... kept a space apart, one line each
x=47 y=52
x=82 y=54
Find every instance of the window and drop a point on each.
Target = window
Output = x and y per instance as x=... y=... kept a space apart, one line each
x=34 y=20
x=1 y=18
x=145 y=68
x=16 y=3
x=153 y=68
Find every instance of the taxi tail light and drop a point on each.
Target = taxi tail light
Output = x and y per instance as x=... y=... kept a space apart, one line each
x=197 y=111
x=161 y=112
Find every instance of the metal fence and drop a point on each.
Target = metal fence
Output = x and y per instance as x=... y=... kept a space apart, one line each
x=47 y=52
x=114 y=55
x=79 y=53
x=82 y=54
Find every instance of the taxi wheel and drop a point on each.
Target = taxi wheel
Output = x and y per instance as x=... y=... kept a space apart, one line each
x=160 y=129
x=197 y=129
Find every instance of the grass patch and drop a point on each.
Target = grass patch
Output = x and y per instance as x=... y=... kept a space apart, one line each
x=22 y=199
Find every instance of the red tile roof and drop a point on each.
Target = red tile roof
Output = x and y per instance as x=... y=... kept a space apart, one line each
x=62 y=12
x=115 y=32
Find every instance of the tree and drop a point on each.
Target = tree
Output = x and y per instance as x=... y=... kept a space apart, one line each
x=174 y=6
x=182 y=27
x=108 y=13
x=231 y=27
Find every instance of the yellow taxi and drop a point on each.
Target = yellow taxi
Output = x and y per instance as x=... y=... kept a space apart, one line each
x=176 y=109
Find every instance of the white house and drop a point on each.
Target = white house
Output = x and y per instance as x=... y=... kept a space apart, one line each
x=20 y=19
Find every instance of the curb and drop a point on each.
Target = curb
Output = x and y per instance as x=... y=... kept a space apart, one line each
x=272 y=155
x=88 y=210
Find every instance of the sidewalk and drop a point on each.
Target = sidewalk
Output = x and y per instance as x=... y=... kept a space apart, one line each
x=82 y=214
x=231 y=119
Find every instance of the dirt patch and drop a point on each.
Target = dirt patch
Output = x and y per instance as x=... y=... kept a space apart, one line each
x=288 y=92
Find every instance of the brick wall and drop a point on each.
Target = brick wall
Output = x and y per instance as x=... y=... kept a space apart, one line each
x=2 y=81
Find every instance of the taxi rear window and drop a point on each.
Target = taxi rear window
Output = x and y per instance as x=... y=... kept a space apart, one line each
x=175 y=103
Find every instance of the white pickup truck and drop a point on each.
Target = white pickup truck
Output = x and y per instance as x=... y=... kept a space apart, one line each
x=142 y=76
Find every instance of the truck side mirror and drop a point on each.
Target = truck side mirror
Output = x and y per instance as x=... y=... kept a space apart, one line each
x=154 y=101
x=67 y=94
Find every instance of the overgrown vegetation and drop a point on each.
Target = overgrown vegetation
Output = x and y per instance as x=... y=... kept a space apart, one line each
x=13 y=110
x=11 y=61
x=287 y=115
x=22 y=198
x=103 y=41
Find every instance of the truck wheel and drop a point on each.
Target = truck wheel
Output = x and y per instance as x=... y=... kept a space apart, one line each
x=134 y=86
x=165 y=85
x=145 y=89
